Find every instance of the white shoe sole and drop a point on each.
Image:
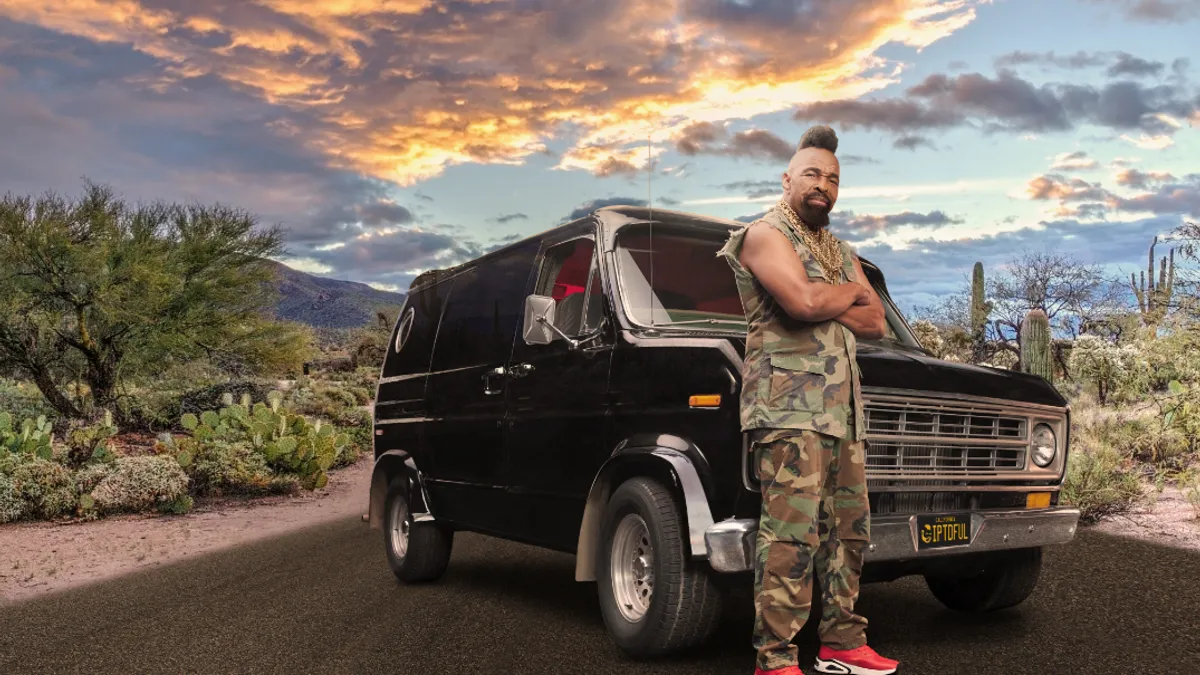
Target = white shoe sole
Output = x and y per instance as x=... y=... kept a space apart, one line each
x=840 y=668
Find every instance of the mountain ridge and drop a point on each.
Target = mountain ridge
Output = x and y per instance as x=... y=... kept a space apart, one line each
x=324 y=302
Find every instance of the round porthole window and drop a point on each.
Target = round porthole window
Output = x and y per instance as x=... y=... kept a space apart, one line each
x=406 y=323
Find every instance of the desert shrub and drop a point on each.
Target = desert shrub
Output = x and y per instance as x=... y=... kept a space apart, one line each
x=27 y=438
x=47 y=488
x=1115 y=371
x=1100 y=483
x=12 y=507
x=289 y=442
x=22 y=400
x=87 y=478
x=362 y=395
x=87 y=442
x=211 y=397
x=220 y=468
x=141 y=483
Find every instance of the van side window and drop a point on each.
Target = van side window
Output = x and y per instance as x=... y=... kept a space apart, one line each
x=564 y=276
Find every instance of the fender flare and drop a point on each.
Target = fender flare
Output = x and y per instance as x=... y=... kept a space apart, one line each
x=386 y=466
x=670 y=453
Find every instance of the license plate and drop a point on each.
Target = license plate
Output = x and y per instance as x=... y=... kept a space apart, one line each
x=941 y=530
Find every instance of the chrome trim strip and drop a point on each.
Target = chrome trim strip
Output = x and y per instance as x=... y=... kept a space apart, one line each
x=720 y=344
x=1002 y=443
x=894 y=538
x=400 y=378
x=920 y=396
x=948 y=489
x=403 y=420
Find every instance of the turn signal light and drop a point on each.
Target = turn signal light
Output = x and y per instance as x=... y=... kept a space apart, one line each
x=1037 y=500
x=706 y=401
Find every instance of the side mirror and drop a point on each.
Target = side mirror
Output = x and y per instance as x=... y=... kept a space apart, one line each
x=539 y=320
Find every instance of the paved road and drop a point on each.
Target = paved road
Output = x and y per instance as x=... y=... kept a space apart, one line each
x=323 y=601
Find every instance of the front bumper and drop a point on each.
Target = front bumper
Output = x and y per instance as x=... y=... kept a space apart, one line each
x=731 y=543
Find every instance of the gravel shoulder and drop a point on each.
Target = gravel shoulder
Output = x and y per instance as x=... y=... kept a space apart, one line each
x=41 y=558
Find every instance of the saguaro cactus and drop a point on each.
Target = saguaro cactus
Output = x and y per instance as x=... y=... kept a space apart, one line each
x=980 y=310
x=1035 y=344
x=1154 y=298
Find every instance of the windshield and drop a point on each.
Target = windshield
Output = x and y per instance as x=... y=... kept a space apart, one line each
x=693 y=288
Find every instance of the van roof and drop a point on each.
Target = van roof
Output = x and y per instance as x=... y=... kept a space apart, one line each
x=435 y=276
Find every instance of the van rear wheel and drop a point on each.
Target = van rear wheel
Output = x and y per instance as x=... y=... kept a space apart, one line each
x=416 y=551
x=654 y=600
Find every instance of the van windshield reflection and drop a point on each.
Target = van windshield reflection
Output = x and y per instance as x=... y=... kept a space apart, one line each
x=685 y=285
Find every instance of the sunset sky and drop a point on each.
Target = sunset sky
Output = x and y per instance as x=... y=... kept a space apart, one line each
x=392 y=136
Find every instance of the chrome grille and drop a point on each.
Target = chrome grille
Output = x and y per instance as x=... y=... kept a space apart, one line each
x=944 y=423
x=923 y=440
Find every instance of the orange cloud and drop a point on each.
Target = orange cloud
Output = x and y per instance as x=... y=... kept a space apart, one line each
x=402 y=89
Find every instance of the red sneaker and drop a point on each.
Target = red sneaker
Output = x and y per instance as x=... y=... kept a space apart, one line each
x=789 y=670
x=861 y=661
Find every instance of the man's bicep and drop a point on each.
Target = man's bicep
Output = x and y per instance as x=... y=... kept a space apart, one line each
x=771 y=259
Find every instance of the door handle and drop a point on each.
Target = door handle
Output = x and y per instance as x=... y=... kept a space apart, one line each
x=487 y=380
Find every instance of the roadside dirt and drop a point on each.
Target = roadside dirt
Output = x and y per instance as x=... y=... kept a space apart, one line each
x=1170 y=521
x=38 y=558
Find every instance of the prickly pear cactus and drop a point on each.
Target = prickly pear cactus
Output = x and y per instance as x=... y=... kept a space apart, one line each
x=32 y=439
x=287 y=442
x=1035 y=345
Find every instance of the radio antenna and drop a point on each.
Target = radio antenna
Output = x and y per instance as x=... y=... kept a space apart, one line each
x=650 y=205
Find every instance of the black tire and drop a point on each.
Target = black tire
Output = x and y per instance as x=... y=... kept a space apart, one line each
x=685 y=605
x=1007 y=580
x=429 y=545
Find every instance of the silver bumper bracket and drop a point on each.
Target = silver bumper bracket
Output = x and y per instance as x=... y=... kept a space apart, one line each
x=731 y=542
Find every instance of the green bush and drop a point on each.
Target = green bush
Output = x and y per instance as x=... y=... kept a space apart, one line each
x=1100 y=483
x=22 y=400
x=141 y=483
x=47 y=488
x=12 y=507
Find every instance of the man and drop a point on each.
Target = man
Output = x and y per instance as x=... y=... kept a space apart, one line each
x=807 y=300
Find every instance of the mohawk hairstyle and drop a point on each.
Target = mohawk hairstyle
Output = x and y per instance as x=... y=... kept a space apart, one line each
x=819 y=136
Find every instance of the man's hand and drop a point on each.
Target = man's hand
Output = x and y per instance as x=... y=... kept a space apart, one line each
x=865 y=318
x=769 y=256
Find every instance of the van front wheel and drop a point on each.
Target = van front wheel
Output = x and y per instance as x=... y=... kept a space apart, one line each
x=416 y=551
x=1006 y=581
x=654 y=600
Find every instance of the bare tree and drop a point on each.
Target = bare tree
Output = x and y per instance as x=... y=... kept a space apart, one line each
x=1075 y=297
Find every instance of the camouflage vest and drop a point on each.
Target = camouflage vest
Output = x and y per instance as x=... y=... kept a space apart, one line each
x=796 y=374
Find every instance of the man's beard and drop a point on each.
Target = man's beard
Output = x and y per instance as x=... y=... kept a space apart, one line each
x=815 y=216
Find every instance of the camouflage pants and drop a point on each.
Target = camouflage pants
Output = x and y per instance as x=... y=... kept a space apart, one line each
x=814 y=515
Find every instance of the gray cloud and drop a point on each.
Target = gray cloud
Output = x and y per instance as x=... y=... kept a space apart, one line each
x=712 y=139
x=1141 y=179
x=1174 y=197
x=754 y=189
x=589 y=206
x=509 y=217
x=926 y=269
x=1008 y=103
x=912 y=142
x=1156 y=10
x=853 y=228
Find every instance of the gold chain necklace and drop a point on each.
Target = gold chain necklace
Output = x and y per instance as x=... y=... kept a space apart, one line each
x=824 y=246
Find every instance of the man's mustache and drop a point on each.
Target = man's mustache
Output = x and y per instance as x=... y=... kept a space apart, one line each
x=818 y=192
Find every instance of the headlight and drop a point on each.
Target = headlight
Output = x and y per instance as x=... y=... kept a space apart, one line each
x=1044 y=445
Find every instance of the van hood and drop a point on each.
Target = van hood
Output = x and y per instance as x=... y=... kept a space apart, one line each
x=899 y=368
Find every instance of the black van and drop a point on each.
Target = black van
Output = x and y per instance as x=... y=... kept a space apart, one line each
x=575 y=391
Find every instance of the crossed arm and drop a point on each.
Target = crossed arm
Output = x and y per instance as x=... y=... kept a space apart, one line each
x=770 y=257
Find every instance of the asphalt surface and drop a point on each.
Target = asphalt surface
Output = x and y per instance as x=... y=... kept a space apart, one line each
x=323 y=601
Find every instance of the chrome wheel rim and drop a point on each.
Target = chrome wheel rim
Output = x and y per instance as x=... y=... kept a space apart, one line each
x=632 y=568
x=400 y=527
